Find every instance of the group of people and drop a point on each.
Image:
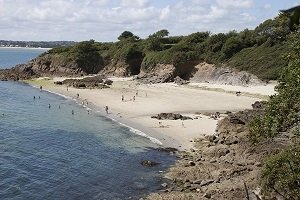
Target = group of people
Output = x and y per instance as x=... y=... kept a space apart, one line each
x=134 y=97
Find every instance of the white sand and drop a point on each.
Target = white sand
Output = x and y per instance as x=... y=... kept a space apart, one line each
x=157 y=98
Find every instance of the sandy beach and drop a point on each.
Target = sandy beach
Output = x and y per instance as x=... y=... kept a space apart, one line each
x=188 y=100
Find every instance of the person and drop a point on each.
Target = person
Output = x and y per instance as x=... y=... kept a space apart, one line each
x=49 y=106
x=137 y=92
x=72 y=112
x=33 y=97
x=58 y=106
x=41 y=88
x=106 y=109
x=133 y=98
x=122 y=97
x=88 y=112
x=77 y=95
x=67 y=88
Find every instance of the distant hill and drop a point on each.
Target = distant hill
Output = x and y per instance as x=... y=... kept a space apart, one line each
x=35 y=44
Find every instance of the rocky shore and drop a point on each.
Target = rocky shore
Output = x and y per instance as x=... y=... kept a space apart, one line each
x=222 y=166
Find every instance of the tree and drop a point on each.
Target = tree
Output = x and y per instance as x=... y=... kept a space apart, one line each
x=294 y=17
x=160 y=34
x=128 y=35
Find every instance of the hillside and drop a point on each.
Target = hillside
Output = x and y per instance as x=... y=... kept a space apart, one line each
x=259 y=51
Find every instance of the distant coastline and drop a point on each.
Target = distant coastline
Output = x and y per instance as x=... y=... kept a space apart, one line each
x=7 y=47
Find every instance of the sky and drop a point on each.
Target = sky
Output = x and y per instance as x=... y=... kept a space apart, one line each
x=105 y=20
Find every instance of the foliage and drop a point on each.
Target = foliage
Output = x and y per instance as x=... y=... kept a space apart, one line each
x=283 y=109
x=160 y=34
x=281 y=173
x=258 y=51
x=125 y=35
x=266 y=60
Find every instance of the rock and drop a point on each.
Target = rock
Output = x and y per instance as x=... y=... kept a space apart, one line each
x=149 y=163
x=179 y=81
x=164 y=185
x=207 y=195
x=167 y=149
x=223 y=152
x=58 y=82
x=170 y=116
x=191 y=163
x=206 y=182
x=187 y=185
x=197 y=181
x=258 y=105
x=108 y=82
x=236 y=120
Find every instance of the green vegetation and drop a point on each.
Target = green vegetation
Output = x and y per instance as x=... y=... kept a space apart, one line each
x=259 y=51
x=281 y=172
x=283 y=109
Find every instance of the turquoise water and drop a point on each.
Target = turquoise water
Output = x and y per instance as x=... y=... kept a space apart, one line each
x=48 y=153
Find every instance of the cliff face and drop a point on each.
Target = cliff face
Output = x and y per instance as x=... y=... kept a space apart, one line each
x=59 y=65
x=198 y=72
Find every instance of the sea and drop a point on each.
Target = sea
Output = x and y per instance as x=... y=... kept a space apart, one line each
x=48 y=153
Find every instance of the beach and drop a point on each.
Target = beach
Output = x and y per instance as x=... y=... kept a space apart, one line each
x=141 y=101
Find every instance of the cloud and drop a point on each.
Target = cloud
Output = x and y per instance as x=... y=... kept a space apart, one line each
x=104 y=20
x=235 y=3
x=135 y=3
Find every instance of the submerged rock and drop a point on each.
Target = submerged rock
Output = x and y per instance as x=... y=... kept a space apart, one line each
x=149 y=163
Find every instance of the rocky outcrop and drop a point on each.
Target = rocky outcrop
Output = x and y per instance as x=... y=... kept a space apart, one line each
x=205 y=72
x=160 y=73
x=170 y=116
x=88 y=82
x=221 y=166
x=196 y=72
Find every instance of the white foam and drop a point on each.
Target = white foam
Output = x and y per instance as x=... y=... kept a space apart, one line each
x=137 y=132
x=140 y=133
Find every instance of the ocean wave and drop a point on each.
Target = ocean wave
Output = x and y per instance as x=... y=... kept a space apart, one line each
x=137 y=132
x=140 y=133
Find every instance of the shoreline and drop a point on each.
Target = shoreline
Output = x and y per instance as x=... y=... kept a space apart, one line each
x=136 y=115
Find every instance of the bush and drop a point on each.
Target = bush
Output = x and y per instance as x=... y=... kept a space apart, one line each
x=281 y=173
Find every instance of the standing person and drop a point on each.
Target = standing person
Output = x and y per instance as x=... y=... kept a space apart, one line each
x=72 y=112
x=122 y=97
x=106 y=109
x=41 y=88
x=137 y=93
x=67 y=88
x=133 y=98
x=77 y=95
x=49 y=106
x=33 y=97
